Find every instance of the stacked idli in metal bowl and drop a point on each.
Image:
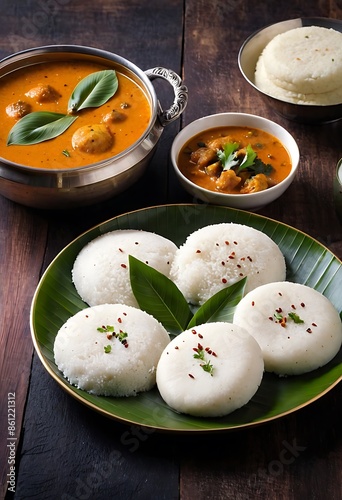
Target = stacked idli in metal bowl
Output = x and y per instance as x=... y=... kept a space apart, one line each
x=297 y=67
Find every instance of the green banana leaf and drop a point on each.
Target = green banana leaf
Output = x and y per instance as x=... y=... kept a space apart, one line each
x=308 y=262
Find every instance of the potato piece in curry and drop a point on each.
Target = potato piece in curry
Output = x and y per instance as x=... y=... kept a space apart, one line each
x=234 y=160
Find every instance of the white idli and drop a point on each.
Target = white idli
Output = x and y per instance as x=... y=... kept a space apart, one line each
x=101 y=270
x=120 y=360
x=225 y=379
x=303 y=66
x=265 y=84
x=219 y=255
x=297 y=327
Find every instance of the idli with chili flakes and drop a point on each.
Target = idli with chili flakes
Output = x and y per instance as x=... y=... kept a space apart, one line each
x=219 y=255
x=101 y=270
x=210 y=370
x=302 y=65
x=110 y=350
x=297 y=328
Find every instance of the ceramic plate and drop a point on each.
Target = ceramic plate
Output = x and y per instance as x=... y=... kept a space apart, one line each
x=308 y=262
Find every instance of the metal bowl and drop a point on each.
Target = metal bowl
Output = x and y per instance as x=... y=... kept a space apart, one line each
x=249 y=54
x=66 y=188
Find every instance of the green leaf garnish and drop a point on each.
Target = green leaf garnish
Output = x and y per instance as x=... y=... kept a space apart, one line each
x=107 y=348
x=294 y=316
x=106 y=329
x=278 y=316
x=39 y=126
x=228 y=155
x=248 y=160
x=221 y=306
x=208 y=367
x=159 y=296
x=94 y=90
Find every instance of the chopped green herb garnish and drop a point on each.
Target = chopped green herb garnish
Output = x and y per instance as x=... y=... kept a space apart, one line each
x=228 y=156
x=106 y=329
x=208 y=367
x=107 y=348
x=278 y=316
x=294 y=316
x=65 y=152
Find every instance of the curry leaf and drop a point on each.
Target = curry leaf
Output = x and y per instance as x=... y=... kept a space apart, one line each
x=159 y=296
x=221 y=306
x=94 y=90
x=38 y=127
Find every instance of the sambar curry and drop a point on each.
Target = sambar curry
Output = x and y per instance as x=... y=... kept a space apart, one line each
x=98 y=133
x=234 y=160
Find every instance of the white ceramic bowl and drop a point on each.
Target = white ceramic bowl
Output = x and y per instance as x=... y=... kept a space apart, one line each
x=251 y=201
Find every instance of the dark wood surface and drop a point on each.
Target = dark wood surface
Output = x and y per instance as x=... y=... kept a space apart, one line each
x=64 y=450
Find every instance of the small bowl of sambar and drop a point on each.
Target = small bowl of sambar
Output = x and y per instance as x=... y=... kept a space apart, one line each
x=237 y=160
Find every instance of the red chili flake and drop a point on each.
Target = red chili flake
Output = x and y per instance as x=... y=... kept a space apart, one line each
x=302 y=304
x=125 y=314
x=270 y=318
x=313 y=324
x=243 y=258
x=279 y=310
x=195 y=349
x=223 y=263
x=279 y=293
x=253 y=303
x=124 y=266
x=293 y=306
x=146 y=261
x=198 y=251
x=200 y=336
x=125 y=344
x=309 y=330
x=119 y=320
x=224 y=280
x=217 y=244
x=120 y=250
x=226 y=242
x=214 y=354
x=190 y=375
x=241 y=274
x=176 y=347
x=235 y=242
x=238 y=265
x=200 y=347
x=249 y=258
x=136 y=242
x=109 y=336
x=193 y=331
x=283 y=322
x=86 y=316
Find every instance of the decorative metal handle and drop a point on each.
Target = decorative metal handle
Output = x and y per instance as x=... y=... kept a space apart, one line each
x=180 y=91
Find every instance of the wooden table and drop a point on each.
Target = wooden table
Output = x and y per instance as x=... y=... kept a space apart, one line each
x=65 y=450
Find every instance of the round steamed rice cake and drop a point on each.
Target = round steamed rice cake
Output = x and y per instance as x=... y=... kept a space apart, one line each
x=219 y=255
x=302 y=66
x=119 y=360
x=234 y=370
x=101 y=270
x=297 y=328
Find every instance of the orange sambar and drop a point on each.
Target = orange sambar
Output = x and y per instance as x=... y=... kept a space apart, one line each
x=130 y=101
x=268 y=148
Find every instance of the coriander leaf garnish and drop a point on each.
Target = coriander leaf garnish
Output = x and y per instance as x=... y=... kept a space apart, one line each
x=248 y=160
x=278 y=316
x=228 y=156
x=208 y=367
x=294 y=316
x=105 y=329
x=107 y=348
